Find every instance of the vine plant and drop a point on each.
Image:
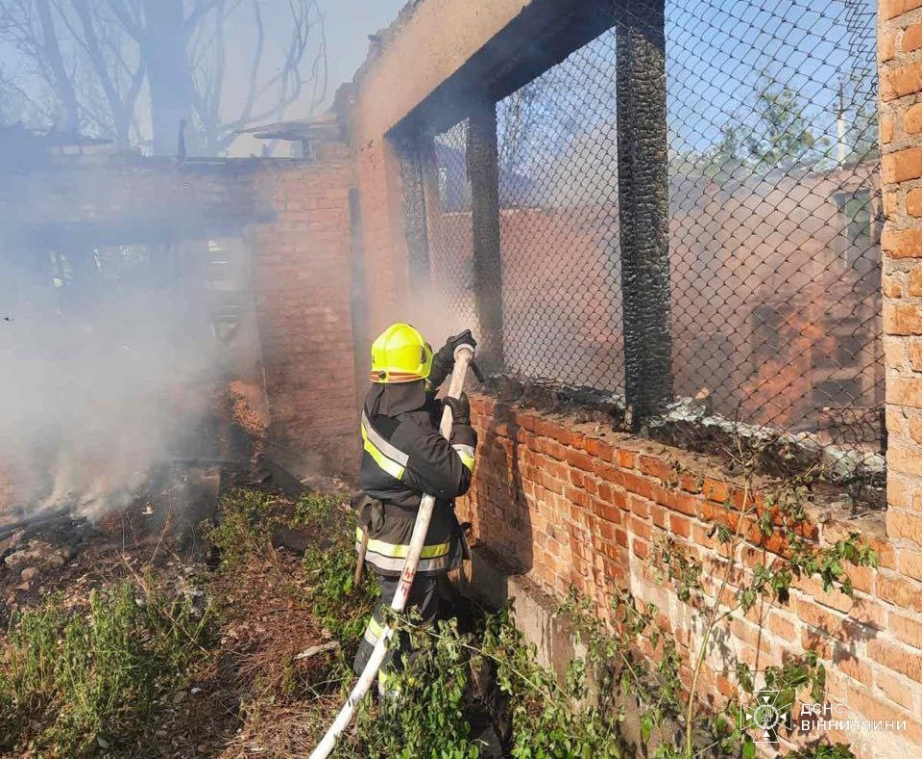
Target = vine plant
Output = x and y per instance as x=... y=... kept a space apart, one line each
x=777 y=525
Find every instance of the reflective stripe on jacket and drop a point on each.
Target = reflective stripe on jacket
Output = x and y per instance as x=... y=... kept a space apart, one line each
x=405 y=457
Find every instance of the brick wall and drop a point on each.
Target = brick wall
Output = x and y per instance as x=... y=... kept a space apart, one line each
x=294 y=216
x=301 y=271
x=378 y=171
x=128 y=199
x=901 y=137
x=575 y=505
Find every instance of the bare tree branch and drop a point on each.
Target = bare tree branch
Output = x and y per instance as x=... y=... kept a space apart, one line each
x=121 y=108
x=64 y=82
x=201 y=9
x=129 y=18
x=96 y=56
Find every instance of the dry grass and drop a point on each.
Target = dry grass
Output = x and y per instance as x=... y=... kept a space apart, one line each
x=243 y=692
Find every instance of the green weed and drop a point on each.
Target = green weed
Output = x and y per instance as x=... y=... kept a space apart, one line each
x=70 y=683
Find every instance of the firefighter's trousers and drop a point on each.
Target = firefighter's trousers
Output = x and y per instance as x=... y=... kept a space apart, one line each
x=424 y=599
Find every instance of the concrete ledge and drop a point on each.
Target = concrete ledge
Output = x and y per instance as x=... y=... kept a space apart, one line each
x=537 y=614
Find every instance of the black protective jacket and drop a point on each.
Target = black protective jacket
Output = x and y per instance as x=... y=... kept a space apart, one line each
x=405 y=457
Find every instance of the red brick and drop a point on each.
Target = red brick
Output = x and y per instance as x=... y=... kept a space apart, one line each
x=685 y=504
x=902 y=166
x=886 y=47
x=904 y=391
x=611 y=474
x=895 y=689
x=820 y=644
x=901 y=81
x=907 y=630
x=627 y=459
x=639 y=506
x=607 y=532
x=912 y=119
x=641 y=549
x=915 y=355
x=781 y=626
x=907 y=526
x=910 y=563
x=892 y=286
x=691 y=483
x=915 y=429
x=577 y=478
x=818 y=617
x=849 y=664
x=680 y=526
x=715 y=490
x=607 y=511
x=896 y=657
x=640 y=529
x=599 y=449
x=914 y=281
x=886 y=129
x=655 y=467
x=886 y=555
x=892 y=8
x=913 y=203
x=813 y=587
x=641 y=485
x=579 y=498
x=899 y=591
x=868 y=613
x=579 y=460
x=873 y=708
x=659 y=515
x=862 y=577
x=902 y=319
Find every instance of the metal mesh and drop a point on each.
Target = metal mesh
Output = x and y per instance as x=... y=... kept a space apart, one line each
x=775 y=208
x=774 y=216
x=559 y=223
x=451 y=241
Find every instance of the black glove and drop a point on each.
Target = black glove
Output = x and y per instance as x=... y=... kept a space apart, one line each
x=445 y=358
x=460 y=409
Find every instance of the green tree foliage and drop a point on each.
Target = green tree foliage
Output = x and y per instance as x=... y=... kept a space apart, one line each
x=781 y=136
x=784 y=138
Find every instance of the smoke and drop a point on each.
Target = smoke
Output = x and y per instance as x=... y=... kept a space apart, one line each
x=106 y=375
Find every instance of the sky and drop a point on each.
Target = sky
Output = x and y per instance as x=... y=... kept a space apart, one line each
x=720 y=51
x=349 y=22
x=717 y=51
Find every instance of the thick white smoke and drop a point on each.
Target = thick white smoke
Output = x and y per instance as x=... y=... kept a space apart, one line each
x=101 y=382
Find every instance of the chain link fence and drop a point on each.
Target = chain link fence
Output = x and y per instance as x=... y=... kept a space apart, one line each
x=774 y=218
x=451 y=229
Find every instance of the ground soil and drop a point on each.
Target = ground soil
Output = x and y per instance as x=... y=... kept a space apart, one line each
x=230 y=705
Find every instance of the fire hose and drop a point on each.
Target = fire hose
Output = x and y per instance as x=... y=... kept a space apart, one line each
x=464 y=356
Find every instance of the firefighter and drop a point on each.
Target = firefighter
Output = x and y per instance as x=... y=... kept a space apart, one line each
x=405 y=457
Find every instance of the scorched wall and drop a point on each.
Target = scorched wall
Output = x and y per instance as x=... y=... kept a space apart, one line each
x=572 y=505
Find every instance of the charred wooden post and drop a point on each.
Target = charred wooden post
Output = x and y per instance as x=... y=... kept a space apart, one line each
x=643 y=191
x=483 y=170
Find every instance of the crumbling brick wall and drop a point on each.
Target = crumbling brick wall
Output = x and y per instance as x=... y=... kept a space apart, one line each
x=574 y=504
x=294 y=217
x=302 y=281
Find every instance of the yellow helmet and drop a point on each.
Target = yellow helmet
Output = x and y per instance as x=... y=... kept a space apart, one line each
x=400 y=354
